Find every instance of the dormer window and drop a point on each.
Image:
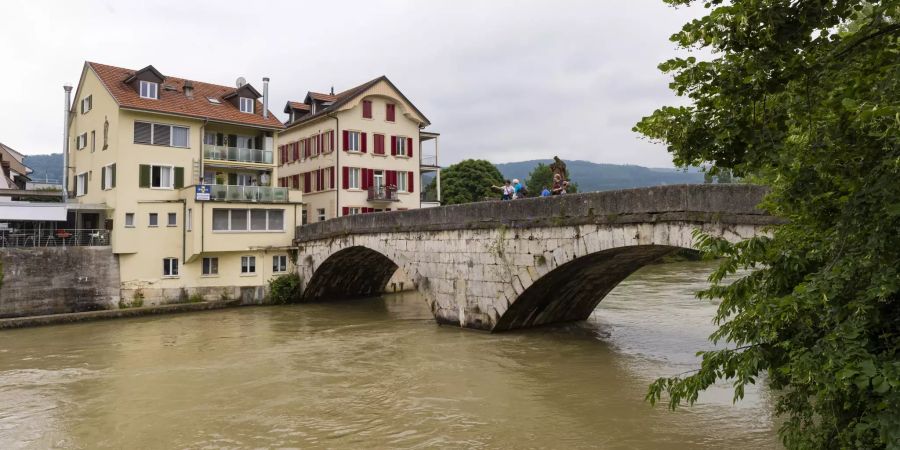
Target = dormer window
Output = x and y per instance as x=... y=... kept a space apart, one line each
x=247 y=105
x=149 y=89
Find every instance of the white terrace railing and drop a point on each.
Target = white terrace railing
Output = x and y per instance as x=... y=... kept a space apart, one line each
x=251 y=155
x=236 y=193
x=59 y=237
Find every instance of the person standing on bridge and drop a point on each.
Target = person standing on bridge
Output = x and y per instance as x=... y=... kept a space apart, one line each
x=506 y=190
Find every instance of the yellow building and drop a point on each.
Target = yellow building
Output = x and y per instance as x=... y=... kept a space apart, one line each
x=182 y=173
x=357 y=151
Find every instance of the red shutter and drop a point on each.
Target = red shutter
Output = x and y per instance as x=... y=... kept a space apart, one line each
x=409 y=148
x=371 y=177
x=367 y=109
x=295 y=148
x=345 y=177
x=379 y=144
x=306 y=183
x=394 y=145
x=363 y=141
x=345 y=211
x=346 y=140
x=389 y=112
x=364 y=183
x=409 y=186
x=321 y=179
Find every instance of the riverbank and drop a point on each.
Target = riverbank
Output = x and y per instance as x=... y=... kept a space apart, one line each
x=57 y=319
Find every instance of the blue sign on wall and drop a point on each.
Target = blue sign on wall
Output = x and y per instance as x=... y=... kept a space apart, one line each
x=201 y=192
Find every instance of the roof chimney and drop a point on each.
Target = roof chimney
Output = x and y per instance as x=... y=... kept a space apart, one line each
x=332 y=90
x=266 y=97
x=188 y=89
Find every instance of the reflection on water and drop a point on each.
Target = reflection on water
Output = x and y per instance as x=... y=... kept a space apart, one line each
x=374 y=373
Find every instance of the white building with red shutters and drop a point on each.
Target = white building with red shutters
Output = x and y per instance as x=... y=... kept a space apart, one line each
x=357 y=151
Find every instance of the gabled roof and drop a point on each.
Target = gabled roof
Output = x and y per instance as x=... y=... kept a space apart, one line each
x=246 y=87
x=342 y=98
x=15 y=160
x=150 y=69
x=176 y=102
x=295 y=105
x=320 y=97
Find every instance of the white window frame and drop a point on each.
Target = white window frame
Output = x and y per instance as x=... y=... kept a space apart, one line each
x=107 y=177
x=87 y=104
x=402 y=181
x=81 y=183
x=353 y=138
x=247 y=104
x=151 y=218
x=249 y=227
x=354 y=174
x=279 y=264
x=206 y=269
x=150 y=88
x=401 y=147
x=129 y=215
x=171 y=177
x=188 y=219
x=314 y=145
x=320 y=213
x=81 y=141
x=153 y=126
x=354 y=210
x=171 y=266
x=246 y=266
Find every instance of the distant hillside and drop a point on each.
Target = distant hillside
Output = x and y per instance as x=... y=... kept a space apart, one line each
x=604 y=177
x=46 y=167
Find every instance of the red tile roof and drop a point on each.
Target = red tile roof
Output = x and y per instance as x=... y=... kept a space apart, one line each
x=175 y=102
x=299 y=105
x=322 y=97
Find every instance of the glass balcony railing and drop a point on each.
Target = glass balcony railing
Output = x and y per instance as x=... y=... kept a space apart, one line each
x=256 y=194
x=251 y=155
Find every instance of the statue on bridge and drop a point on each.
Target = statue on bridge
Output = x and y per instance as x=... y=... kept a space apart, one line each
x=560 y=183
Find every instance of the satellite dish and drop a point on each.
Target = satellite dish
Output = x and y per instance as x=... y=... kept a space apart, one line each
x=240 y=81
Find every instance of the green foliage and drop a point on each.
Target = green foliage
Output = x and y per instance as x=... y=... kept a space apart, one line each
x=541 y=176
x=284 y=289
x=195 y=298
x=137 y=300
x=469 y=181
x=802 y=96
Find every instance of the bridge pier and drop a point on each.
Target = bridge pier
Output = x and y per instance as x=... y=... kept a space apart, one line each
x=499 y=266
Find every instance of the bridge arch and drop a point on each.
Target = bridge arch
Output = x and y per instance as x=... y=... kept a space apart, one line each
x=351 y=272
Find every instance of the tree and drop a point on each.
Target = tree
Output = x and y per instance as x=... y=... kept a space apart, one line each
x=469 y=181
x=541 y=176
x=802 y=96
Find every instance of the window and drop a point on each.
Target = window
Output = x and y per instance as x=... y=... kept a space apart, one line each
x=367 y=109
x=81 y=141
x=86 y=104
x=353 y=141
x=93 y=141
x=389 y=112
x=400 y=148
x=247 y=104
x=321 y=214
x=210 y=266
x=149 y=89
x=153 y=220
x=401 y=181
x=161 y=177
x=129 y=220
x=160 y=134
x=170 y=267
x=248 y=264
x=303 y=219
x=187 y=220
x=213 y=100
x=353 y=183
x=248 y=219
x=379 y=144
x=354 y=210
x=108 y=177
x=279 y=263
x=173 y=220
x=81 y=184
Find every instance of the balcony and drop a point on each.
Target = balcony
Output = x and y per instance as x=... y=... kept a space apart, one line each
x=252 y=194
x=235 y=154
x=383 y=194
x=59 y=237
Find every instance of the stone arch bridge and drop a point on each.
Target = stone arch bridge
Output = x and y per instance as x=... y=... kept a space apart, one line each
x=504 y=265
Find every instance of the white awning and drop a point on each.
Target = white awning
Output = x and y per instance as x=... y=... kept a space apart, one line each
x=32 y=211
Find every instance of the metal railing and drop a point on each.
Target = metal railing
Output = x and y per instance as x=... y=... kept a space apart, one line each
x=428 y=160
x=383 y=194
x=222 y=153
x=59 y=237
x=256 y=194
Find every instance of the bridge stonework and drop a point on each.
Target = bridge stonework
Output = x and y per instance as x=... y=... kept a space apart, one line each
x=504 y=265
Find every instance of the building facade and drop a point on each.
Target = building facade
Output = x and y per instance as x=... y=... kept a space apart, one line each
x=356 y=152
x=182 y=174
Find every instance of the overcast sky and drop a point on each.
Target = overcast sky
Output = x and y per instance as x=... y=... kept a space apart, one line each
x=500 y=80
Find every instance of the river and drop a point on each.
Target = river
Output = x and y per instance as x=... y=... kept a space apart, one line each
x=375 y=373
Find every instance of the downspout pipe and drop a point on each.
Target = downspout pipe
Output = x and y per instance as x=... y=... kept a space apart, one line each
x=65 y=148
x=337 y=167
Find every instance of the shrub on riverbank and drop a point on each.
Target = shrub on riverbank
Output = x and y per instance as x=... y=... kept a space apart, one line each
x=284 y=289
